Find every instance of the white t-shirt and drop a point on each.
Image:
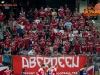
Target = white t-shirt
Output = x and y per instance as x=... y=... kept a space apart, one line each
x=32 y=52
x=75 y=32
x=71 y=37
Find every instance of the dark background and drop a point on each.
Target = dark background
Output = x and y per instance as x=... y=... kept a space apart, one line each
x=38 y=3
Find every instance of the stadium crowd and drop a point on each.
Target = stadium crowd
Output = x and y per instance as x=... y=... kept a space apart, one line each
x=49 y=32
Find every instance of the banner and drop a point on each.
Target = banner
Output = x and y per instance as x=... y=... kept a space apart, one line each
x=90 y=70
x=67 y=65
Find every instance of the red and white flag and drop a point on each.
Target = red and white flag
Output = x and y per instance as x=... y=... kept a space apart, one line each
x=90 y=70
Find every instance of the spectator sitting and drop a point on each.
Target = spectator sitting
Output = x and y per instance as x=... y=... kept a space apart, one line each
x=32 y=52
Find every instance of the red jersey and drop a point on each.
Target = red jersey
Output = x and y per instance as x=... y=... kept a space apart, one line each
x=38 y=51
x=43 y=34
x=90 y=47
x=48 y=13
x=67 y=46
x=54 y=71
x=55 y=46
x=59 y=34
x=31 y=33
x=53 y=23
x=28 y=27
x=36 y=38
x=67 y=12
x=76 y=26
x=82 y=24
x=73 y=21
x=40 y=26
x=42 y=43
x=61 y=13
x=77 y=47
x=42 y=13
x=64 y=37
x=47 y=51
x=53 y=36
x=97 y=47
x=85 y=34
x=21 y=43
x=36 y=14
x=7 y=42
x=41 y=71
x=7 y=72
x=84 y=47
x=35 y=46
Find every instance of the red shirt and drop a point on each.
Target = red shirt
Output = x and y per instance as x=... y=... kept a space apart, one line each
x=28 y=27
x=21 y=43
x=40 y=26
x=59 y=34
x=73 y=21
x=53 y=23
x=82 y=24
x=90 y=47
x=84 y=47
x=42 y=13
x=55 y=46
x=77 y=47
x=48 y=13
x=76 y=26
x=35 y=14
x=38 y=51
x=36 y=38
x=41 y=71
x=7 y=72
x=54 y=71
x=31 y=33
x=61 y=13
x=43 y=34
x=42 y=43
x=7 y=42
x=85 y=34
x=35 y=46
x=67 y=12
x=47 y=51
x=67 y=46
x=64 y=37
x=53 y=36
x=97 y=47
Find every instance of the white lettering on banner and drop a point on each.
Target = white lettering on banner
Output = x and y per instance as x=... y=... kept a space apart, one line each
x=71 y=65
x=67 y=63
x=60 y=63
x=39 y=58
x=77 y=62
x=25 y=64
x=52 y=60
x=46 y=61
x=33 y=61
